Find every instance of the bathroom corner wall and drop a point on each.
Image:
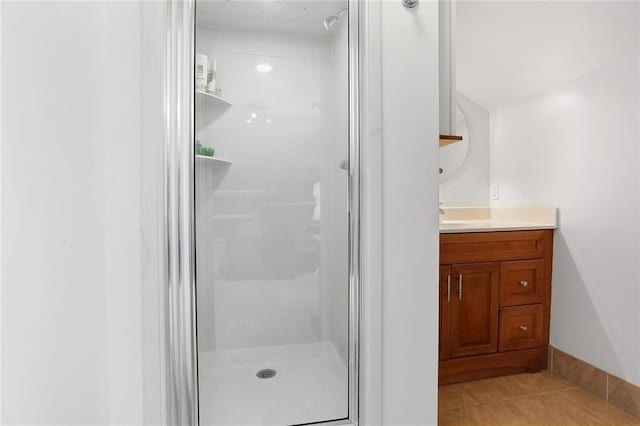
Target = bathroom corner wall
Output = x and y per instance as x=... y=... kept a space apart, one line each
x=121 y=68
x=71 y=337
x=576 y=147
x=54 y=323
x=409 y=213
x=469 y=186
x=153 y=230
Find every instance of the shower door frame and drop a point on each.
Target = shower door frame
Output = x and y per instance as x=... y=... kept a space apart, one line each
x=181 y=363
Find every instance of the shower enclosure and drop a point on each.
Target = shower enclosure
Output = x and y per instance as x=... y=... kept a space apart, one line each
x=264 y=257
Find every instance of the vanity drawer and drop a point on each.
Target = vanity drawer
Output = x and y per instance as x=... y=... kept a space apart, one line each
x=521 y=327
x=521 y=282
x=494 y=246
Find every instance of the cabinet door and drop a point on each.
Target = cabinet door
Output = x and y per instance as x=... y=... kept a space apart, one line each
x=474 y=309
x=445 y=297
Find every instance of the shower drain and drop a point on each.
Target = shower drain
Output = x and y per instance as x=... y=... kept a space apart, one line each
x=266 y=373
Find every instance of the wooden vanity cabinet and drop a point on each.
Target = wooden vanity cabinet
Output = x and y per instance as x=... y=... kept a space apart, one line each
x=443 y=317
x=495 y=294
x=473 y=326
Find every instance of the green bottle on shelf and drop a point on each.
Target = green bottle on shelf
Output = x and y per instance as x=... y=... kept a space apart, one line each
x=204 y=150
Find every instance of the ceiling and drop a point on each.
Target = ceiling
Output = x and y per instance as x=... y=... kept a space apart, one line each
x=510 y=50
x=302 y=17
x=506 y=50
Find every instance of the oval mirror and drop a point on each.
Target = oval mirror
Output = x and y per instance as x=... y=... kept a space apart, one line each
x=452 y=156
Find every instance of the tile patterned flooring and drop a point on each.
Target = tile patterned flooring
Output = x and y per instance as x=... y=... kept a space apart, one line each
x=617 y=392
x=540 y=399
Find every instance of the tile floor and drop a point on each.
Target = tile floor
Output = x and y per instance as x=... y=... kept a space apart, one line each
x=538 y=399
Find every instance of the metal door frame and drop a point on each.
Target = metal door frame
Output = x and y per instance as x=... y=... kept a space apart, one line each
x=179 y=278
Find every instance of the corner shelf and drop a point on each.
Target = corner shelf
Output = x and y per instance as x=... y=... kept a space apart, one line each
x=446 y=140
x=214 y=161
x=213 y=99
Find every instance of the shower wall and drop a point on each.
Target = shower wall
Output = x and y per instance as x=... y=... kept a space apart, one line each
x=335 y=252
x=272 y=227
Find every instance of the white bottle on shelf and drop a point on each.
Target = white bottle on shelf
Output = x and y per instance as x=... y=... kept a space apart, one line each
x=202 y=68
x=211 y=86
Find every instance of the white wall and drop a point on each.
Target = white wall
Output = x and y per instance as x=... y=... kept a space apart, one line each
x=1 y=215
x=121 y=73
x=469 y=186
x=70 y=223
x=409 y=213
x=152 y=204
x=576 y=146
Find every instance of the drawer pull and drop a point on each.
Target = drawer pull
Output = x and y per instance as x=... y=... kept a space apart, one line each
x=524 y=283
x=448 y=288
x=524 y=328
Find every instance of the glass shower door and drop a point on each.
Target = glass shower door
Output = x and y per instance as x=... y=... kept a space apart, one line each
x=272 y=221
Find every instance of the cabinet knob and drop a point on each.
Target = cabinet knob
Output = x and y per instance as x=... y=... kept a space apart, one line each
x=524 y=328
x=524 y=283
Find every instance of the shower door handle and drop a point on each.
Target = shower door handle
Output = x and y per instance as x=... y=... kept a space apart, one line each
x=344 y=165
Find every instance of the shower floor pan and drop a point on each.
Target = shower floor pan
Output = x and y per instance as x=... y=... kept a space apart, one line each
x=309 y=385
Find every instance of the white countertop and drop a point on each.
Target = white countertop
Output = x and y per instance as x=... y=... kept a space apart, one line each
x=488 y=219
